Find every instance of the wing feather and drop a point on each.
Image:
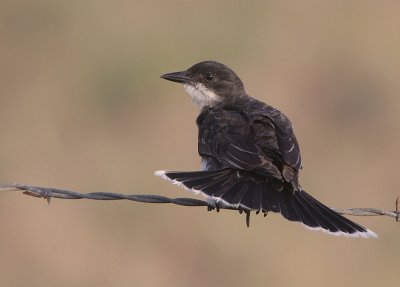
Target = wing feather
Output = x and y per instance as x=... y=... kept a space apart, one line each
x=259 y=139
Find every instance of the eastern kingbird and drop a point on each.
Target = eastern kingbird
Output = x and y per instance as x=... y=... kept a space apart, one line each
x=250 y=155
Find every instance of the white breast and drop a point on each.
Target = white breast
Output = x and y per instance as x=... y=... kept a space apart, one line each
x=201 y=96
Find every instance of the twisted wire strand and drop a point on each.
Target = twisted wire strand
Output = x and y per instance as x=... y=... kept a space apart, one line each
x=48 y=193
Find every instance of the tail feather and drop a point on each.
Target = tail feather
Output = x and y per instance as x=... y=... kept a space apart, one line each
x=236 y=193
x=324 y=218
x=307 y=218
x=339 y=222
x=286 y=205
x=270 y=200
x=242 y=190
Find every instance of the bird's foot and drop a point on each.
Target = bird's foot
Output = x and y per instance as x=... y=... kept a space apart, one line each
x=213 y=206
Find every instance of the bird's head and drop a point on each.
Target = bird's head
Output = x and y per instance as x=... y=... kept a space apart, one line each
x=208 y=83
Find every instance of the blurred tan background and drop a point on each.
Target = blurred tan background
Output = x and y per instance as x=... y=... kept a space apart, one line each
x=82 y=107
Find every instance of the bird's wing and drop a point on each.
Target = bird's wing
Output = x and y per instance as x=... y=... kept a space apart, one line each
x=273 y=126
x=228 y=136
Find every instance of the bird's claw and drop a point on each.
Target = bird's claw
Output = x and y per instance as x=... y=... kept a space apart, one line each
x=214 y=206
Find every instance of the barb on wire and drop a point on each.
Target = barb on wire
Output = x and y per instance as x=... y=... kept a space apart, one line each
x=48 y=193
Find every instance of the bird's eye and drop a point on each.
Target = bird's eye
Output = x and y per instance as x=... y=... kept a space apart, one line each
x=209 y=76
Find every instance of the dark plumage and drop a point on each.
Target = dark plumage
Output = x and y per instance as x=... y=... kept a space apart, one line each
x=250 y=155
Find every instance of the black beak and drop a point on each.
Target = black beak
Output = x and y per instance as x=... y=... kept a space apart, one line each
x=179 y=77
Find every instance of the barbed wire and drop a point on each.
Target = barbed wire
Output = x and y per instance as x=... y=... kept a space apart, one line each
x=48 y=193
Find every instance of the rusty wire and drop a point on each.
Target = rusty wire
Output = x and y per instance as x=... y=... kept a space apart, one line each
x=48 y=193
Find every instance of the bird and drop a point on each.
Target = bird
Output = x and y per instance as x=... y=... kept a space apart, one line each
x=250 y=157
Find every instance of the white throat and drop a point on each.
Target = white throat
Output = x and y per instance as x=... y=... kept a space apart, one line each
x=201 y=96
